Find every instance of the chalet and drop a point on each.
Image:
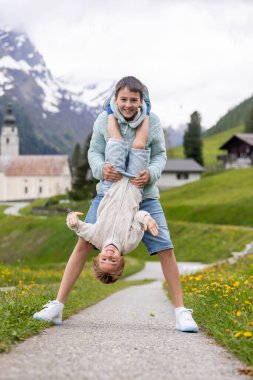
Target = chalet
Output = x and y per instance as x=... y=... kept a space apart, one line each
x=178 y=172
x=24 y=177
x=239 y=151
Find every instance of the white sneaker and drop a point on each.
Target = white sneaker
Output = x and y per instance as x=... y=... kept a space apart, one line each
x=51 y=312
x=184 y=320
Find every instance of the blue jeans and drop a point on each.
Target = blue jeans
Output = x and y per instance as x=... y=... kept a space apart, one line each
x=128 y=162
x=154 y=244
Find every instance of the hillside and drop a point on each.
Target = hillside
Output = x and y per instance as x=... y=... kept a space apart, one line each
x=52 y=115
x=234 y=117
x=224 y=198
x=208 y=220
x=210 y=146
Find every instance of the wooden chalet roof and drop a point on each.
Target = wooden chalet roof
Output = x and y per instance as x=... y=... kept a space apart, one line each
x=187 y=165
x=56 y=165
x=245 y=137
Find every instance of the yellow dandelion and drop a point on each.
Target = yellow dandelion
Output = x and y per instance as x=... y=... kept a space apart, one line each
x=238 y=334
x=250 y=323
x=247 y=334
x=216 y=305
x=238 y=313
x=236 y=284
x=246 y=282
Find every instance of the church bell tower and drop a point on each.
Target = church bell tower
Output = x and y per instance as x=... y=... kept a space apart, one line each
x=9 y=139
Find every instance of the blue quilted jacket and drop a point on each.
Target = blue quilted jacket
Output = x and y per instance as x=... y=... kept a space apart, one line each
x=155 y=143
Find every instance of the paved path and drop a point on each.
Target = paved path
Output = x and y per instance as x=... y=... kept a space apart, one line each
x=118 y=338
x=14 y=207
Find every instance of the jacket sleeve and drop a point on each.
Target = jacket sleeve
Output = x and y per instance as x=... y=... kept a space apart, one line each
x=136 y=232
x=84 y=230
x=96 y=152
x=158 y=155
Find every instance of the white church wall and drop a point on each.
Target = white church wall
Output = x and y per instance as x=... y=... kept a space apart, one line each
x=25 y=188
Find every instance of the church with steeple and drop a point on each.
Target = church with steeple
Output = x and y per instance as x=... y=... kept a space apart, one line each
x=27 y=177
x=9 y=139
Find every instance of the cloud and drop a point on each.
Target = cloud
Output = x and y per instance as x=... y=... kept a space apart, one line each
x=192 y=54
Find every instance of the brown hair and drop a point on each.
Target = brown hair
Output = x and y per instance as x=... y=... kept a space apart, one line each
x=107 y=277
x=133 y=84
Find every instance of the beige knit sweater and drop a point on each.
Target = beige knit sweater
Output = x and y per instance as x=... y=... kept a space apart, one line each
x=119 y=221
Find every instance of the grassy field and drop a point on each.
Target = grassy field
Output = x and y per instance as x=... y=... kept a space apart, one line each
x=35 y=286
x=222 y=299
x=208 y=220
x=37 y=241
x=221 y=198
x=211 y=146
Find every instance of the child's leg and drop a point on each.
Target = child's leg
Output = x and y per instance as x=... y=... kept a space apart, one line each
x=73 y=268
x=113 y=128
x=115 y=153
x=142 y=133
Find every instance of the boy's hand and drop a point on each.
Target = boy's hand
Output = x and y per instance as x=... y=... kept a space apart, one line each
x=150 y=223
x=142 y=179
x=110 y=174
x=72 y=219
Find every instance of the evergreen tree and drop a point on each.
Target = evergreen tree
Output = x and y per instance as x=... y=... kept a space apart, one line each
x=193 y=139
x=75 y=163
x=80 y=165
x=249 y=122
x=85 y=163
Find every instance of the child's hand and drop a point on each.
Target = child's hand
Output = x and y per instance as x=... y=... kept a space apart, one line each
x=150 y=223
x=72 y=219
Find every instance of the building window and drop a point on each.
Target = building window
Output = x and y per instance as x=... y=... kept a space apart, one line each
x=26 y=189
x=182 y=175
x=7 y=140
x=40 y=189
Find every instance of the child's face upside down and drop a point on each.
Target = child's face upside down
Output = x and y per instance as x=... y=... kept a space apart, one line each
x=109 y=259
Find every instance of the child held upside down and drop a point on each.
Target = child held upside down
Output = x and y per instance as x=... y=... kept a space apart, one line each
x=120 y=225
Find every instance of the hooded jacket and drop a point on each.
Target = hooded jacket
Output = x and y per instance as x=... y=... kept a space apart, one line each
x=155 y=144
x=119 y=221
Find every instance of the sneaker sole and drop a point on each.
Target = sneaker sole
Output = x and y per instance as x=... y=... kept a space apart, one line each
x=48 y=320
x=193 y=330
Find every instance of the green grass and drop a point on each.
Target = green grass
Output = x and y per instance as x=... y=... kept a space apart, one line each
x=35 y=241
x=211 y=146
x=199 y=217
x=34 y=287
x=221 y=198
x=222 y=300
x=204 y=243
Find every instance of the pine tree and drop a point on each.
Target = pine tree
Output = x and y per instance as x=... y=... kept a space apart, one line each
x=75 y=163
x=79 y=165
x=85 y=164
x=249 y=122
x=193 y=139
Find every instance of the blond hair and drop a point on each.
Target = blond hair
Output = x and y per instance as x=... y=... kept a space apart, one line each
x=108 y=277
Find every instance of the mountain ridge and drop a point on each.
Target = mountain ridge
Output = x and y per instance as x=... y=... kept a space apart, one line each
x=57 y=115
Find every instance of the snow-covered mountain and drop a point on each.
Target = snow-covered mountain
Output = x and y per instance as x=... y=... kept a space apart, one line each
x=55 y=113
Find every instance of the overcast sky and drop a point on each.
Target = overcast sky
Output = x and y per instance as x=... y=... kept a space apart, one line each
x=192 y=55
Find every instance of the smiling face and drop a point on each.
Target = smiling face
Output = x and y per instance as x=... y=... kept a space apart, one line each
x=128 y=102
x=109 y=259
